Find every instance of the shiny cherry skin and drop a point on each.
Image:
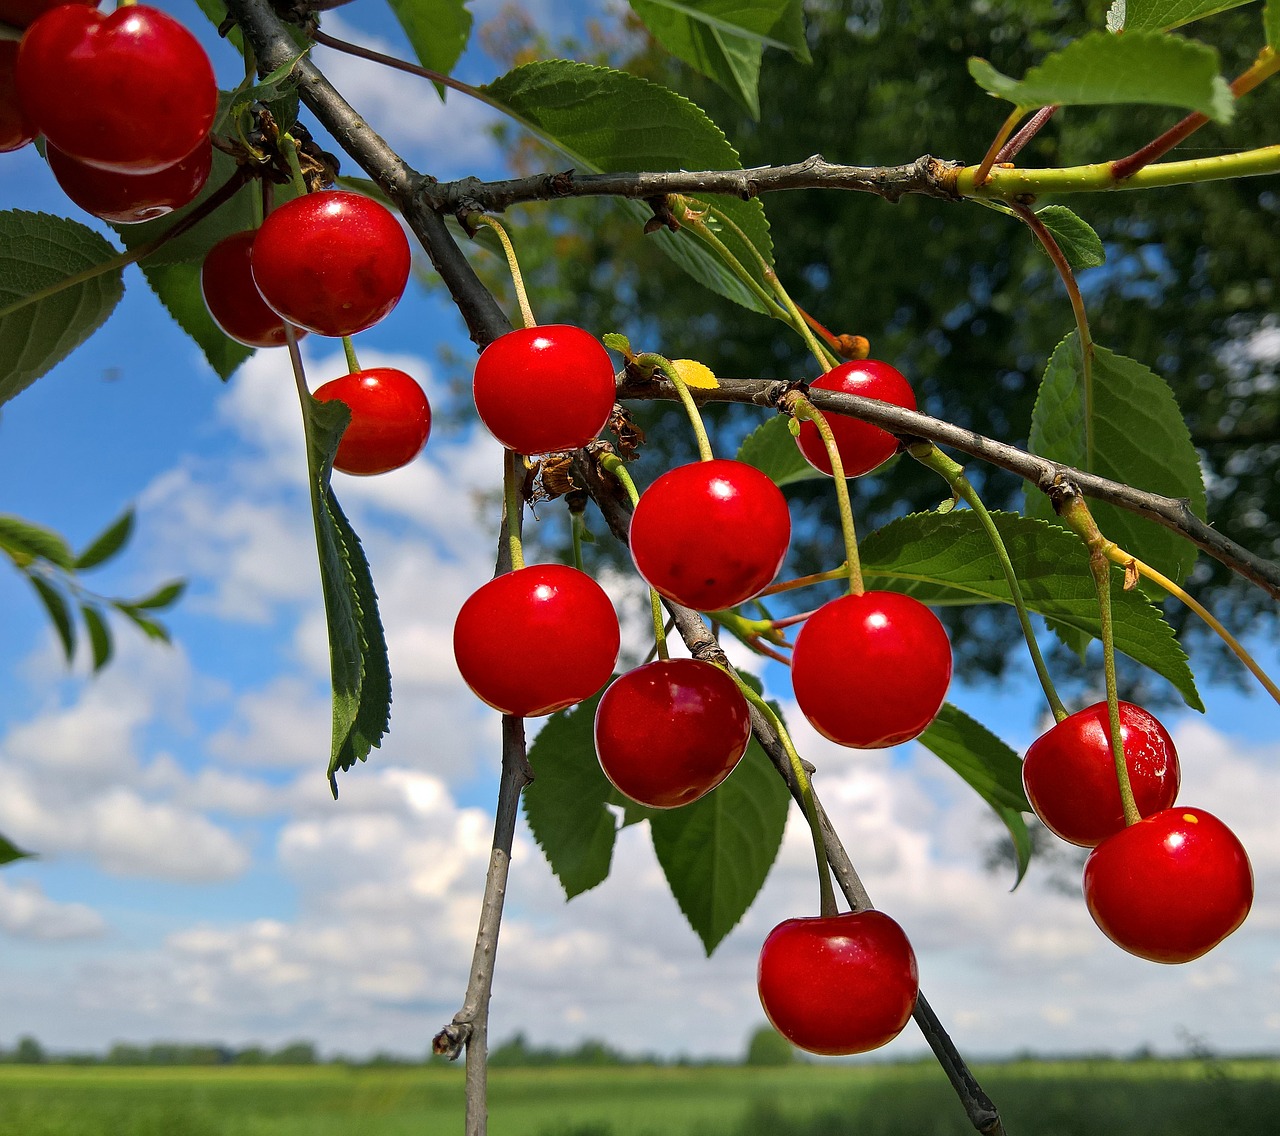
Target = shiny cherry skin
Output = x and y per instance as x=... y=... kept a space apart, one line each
x=21 y=13
x=670 y=731
x=128 y=199
x=710 y=535
x=131 y=90
x=838 y=984
x=871 y=670
x=333 y=262
x=233 y=300
x=862 y=446
x=1171 y=887
x=544 y=389
x=536 y=640
x=1070 y=775
x=16 y=126
x=390 y=419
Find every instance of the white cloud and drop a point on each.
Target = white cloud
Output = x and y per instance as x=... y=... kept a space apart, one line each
x=27 y=913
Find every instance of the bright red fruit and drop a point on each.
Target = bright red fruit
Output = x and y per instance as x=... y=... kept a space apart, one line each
x=332 y=262
x=670 y=731
x=1070 y=775
x=16 y=127
x=127 y=199
x=1170 y=887
x=233 y=300
x=390 y=419
x=871 y=670
x=536 y=640
x=710 y=535
x=131 y=90
x=20 y=13
x=862 y=446
x=838 y=984
x=543 y=389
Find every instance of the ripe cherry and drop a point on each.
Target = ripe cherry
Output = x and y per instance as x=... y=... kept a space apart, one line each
x=131 y=90
x=670 y=731
x=390 y=419
x=871 y=670
x=838 y=984
x=1070 y=775
x=710 y=535
x=542 y=389
x=16 y=127
x=862 y=446
x=333 y=262
x=20 y=13
x=233 y=300
x=536 y=640
x=127 y=199
x=1170 y=887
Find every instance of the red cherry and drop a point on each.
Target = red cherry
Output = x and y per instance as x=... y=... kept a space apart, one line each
x=542 y=389
x=862 y=446
x=127 y=199
x=670 y=731
x=20 y=13
x=1070 y=775
x=131 y=90
x=233 y=300
x=1170 y=887
x=838 y=984
x=536 y=640
x=334 y=262
x=390 y=419
x=710 y=535
x=871 y=670
x=16 y=127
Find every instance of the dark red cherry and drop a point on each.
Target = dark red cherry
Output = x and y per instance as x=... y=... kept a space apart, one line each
x=390 y=419
x=128 y=199
x=16 y=127
x=862 y=446
x=20 y=13
x=233 y=300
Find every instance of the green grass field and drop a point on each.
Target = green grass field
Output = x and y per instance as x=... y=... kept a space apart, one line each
x=1058 y=1099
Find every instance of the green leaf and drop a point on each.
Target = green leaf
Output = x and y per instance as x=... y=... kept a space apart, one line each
x=358 y=664
x=99 y=635
x=945 y=560
x=1163 y=15
x=164 y=596
x=438 y=31
x=178 y=288
x=25 y=542
x=1079 y=243
x=717 y=851
x=987 y=765
x=59 y=613
x=1101 y=68
x=772 y=450
x=10 y=852
x=773 y=23
x=107 y=544
x=1131 y=431
x=609 y=121
x=149 y=627
x=38 y=251
x=565 y=804
x=1271 y=22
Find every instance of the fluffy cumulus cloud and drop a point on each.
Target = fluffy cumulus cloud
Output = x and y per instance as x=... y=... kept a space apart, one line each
x=27 y=913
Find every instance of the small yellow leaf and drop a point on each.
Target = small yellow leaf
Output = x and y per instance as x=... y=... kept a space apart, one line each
x=695 y=374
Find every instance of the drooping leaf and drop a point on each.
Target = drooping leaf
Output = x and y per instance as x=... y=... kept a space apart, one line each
x=26 y=542
x=1163 y=15
x=103 y=547
x=609 y=121
x=38 y=251
x=1101 y=69
x=1076 y=238
x=1129 y=429
x=164 y=596
x=773 y=23
x=148 y=626
x=178 y=288
x=99 y=635
x=771 y=448
x=438 y=31
x=565 y=803
x=717 y=851
x=945 y=560
x=59 y=613
x=9 y=852
x=987 y=765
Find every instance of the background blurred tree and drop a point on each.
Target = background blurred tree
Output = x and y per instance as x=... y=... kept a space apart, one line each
x=767 y=1047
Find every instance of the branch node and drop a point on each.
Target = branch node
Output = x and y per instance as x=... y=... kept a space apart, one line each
x=662 y=217
x=449 y=1042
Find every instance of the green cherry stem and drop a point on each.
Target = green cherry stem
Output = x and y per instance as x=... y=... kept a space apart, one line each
x=696 y=221
x=799 y=407
x=349 y=349
x=806 y=581
x=517 y=279
x=928 y=455
x=997 y=144
x=576 y=525
x=827 y=896
x=648 y=362
x=290 y=146
x=614 y=465
x=512 y=483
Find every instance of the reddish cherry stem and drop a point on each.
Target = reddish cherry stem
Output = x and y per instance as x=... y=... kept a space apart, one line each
x=1033 y=127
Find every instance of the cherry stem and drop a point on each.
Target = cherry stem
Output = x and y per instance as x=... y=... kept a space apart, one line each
x=928 y=455
x=997 y=144
x=1073 y=510
x=648 y=362
x=512 y=483
x=614 y=465
x=576 y=525
x=806 y=581
x=349 y=349
x=290 y=146
x=799 y=407
x=826 y=893
x=522 y=297
x=1035 y=124
x=695 y=220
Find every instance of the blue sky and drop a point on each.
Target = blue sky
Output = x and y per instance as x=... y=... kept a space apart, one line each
x=197 y=882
